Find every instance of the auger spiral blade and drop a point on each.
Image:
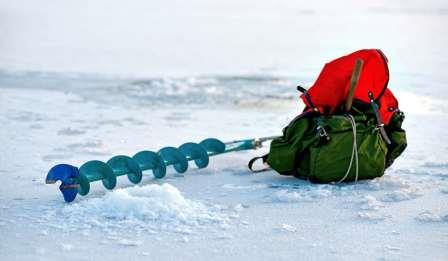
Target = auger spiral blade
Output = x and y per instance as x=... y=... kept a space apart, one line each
x=67 y=174
x=77 y=181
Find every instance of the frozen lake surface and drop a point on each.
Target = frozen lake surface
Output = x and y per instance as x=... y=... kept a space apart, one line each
x=78 y=83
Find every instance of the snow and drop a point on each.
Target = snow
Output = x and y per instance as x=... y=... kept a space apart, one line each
x=222 y=210
x=150 y=207
x=294 y=196
x=289 y=228
x=127 y=242
x=80 y=82
x=371 y=203
x=429 y=216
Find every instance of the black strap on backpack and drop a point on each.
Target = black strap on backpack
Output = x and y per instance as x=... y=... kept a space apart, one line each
x=380 y=124
x=264 y=158
x=307 y=97
x=321 y=131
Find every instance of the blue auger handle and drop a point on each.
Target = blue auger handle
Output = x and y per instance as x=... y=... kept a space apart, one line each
x=77 y=180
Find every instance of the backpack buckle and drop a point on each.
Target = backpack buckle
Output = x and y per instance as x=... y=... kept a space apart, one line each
x=379 y=126
x=323 y=134
x=321 y=131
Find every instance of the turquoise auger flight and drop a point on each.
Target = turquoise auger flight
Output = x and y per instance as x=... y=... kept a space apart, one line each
x=76 y=181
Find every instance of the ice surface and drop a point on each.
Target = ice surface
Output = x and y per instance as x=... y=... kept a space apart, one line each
x=297 y=196
x=429 y=216
x=79 y=81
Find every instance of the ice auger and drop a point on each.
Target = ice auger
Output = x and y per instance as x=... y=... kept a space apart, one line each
x=77 y=180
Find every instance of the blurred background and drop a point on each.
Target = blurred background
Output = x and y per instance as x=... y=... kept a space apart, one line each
x=198 y=37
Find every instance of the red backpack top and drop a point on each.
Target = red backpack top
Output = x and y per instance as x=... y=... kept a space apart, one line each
x=331 y=88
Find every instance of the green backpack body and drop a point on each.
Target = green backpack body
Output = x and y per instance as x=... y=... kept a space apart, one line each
x=303 y=151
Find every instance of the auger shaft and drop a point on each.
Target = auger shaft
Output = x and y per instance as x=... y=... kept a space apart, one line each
x=77 y=180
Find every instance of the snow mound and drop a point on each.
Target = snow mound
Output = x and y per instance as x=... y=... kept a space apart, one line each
x=388 y=183
x=401 y=195
x=371 y=207
x=429 y=217
x=396 y=189
x=151 y=206
x=370 y=203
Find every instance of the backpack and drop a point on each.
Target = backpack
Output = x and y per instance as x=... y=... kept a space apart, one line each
x=350 y=129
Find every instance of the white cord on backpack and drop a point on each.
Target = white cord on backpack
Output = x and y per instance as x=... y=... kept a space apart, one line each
x=354 y=151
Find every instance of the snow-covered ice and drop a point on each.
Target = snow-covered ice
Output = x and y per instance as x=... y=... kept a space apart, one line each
x=429 y=216
x=219 y=212
x=81 y=82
